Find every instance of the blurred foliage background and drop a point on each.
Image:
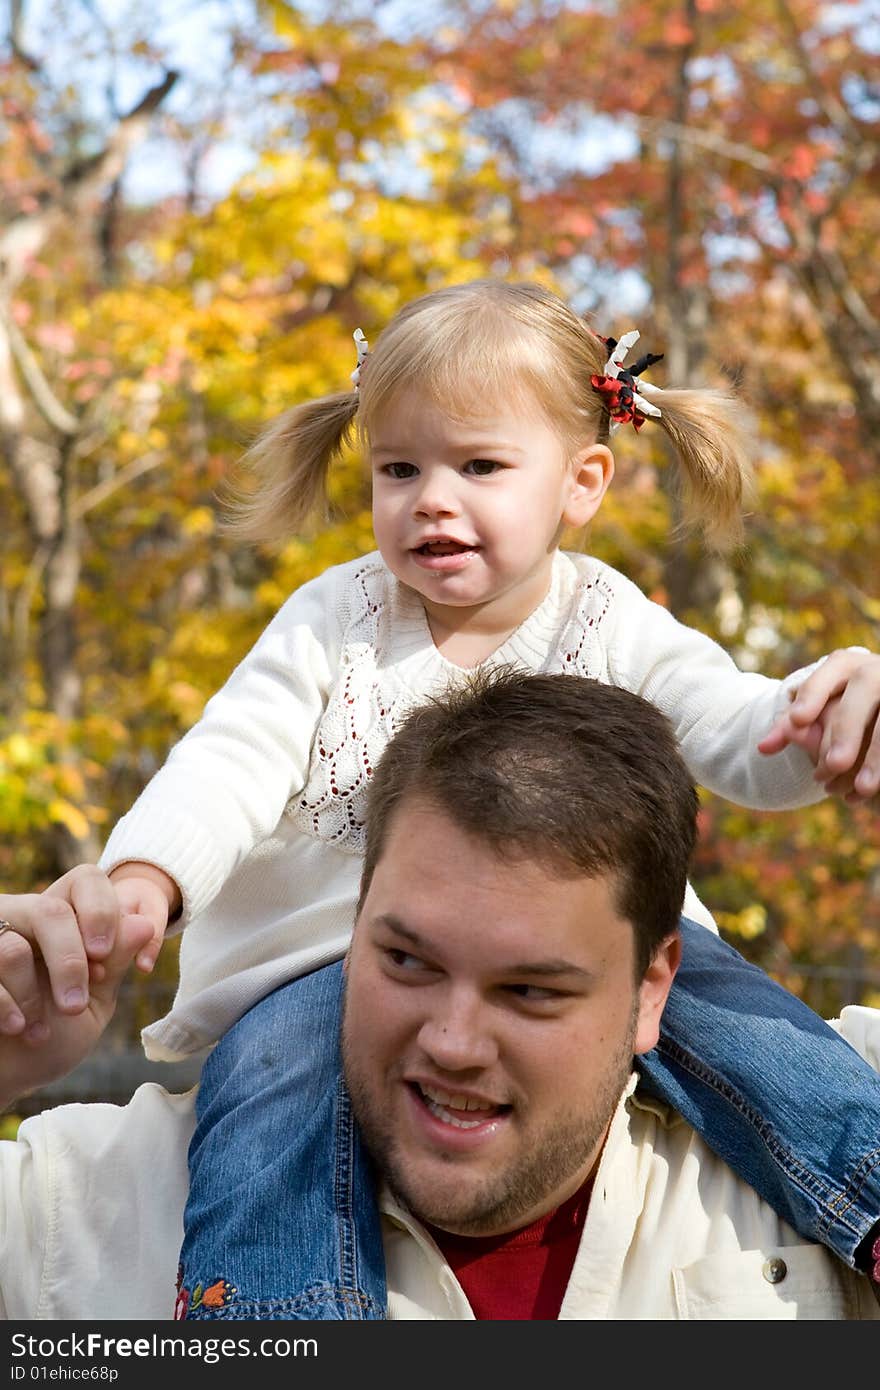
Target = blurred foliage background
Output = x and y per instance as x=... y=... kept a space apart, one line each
x=201 y=200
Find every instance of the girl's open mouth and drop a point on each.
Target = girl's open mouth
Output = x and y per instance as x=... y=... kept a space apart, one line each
x=443 y=556
x=445 y=548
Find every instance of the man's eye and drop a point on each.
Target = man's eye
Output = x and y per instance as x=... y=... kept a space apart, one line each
x=482 y=468
x=403 y=960
x=534 y=994
x=400 y=470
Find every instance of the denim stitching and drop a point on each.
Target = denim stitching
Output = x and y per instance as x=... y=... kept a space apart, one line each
x=300 y=1307
x=342 y=1186
x=812 y=1185
x=869 y=1165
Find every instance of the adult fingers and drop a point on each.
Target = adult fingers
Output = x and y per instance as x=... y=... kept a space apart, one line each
x=49 y=927
x=851 y=741
x=21 y=1002
x=867 y=783
x=827 y=680
x=91 y=895
x=860 y=782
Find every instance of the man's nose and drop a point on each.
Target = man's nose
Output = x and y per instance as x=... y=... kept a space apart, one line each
x=457 y=1037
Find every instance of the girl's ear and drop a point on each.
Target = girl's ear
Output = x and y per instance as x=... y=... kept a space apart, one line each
x=590 y=472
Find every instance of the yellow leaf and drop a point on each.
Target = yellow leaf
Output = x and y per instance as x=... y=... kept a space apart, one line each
x=65 y=813
x=748 y=923
x=22 y=751
x=198 y=522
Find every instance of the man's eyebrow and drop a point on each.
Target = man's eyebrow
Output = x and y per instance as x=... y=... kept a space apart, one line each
x=393 y=923
x=548 y=968
x=543 y=969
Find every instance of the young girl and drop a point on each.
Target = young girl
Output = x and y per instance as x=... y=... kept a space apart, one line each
x=486 y=410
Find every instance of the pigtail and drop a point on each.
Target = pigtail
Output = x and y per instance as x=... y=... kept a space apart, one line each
x=714 y=445
x=291 y=459
x=710 y=431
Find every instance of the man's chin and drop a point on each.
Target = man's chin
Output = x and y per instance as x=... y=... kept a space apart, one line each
x=445 y=1209
x=444 y=1194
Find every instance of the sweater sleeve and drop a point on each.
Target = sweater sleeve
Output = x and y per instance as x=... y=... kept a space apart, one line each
x=91 y=1209
x=719 y=713
x=224 y=786
x=860 y=1027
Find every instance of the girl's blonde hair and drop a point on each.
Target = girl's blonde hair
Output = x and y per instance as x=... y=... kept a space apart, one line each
x=472 y=345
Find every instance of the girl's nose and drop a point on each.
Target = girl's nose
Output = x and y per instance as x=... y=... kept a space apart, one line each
x=435 y=498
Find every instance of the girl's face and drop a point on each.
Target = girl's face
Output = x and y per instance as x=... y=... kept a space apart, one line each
x=469 y=514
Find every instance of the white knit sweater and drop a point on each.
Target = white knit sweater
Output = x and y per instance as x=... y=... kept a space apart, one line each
x=258 y=812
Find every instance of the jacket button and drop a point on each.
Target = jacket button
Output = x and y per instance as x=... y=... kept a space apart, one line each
x=774 y=1270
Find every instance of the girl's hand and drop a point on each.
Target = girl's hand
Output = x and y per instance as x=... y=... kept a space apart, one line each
x=834 y=717
x=146 y=891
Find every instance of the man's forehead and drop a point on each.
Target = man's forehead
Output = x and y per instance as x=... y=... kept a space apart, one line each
x=420 y=827
x=438 y=882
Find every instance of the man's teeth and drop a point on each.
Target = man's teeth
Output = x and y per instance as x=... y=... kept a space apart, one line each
x=441 y=1103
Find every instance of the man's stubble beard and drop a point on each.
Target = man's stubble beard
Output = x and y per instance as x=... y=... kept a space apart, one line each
x=508 y=1199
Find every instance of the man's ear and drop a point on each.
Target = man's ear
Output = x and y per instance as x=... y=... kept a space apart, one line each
x=590 y=472
x=654 y=991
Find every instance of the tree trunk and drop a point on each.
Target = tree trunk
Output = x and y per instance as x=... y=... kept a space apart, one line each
x=691 y=579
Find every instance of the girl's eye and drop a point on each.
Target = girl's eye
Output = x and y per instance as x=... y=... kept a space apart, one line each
x=483 y=468
x=400 y=470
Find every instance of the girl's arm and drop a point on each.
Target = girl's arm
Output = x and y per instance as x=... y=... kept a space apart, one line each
x=226 y=783
x=722 y=715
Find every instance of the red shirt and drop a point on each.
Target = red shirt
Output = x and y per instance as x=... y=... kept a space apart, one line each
x=523 y=1274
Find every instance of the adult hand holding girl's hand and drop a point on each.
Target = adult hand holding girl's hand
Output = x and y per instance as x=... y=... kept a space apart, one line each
x=54 y=946
x=42 y=1035
x=834 y=717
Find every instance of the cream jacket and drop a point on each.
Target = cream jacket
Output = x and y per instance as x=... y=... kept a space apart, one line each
x=91 y=1220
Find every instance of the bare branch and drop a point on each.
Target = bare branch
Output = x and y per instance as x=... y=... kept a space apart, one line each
x=86 y=175
x=839 y=278
x=48 y=404
x=835 y=111
x=16 y=25
x=87 y=501
x=25 y=236
x=24 y=602
x=827 y=573
x=708 y=140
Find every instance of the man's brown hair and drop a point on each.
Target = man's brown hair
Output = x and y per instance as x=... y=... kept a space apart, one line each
x=584 y=777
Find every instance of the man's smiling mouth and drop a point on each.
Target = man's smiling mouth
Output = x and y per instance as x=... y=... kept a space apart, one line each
x=460 y=1111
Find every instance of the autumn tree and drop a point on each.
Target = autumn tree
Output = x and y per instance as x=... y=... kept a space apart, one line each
x=146 y=346
x=725 y=157
x=710 y=171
